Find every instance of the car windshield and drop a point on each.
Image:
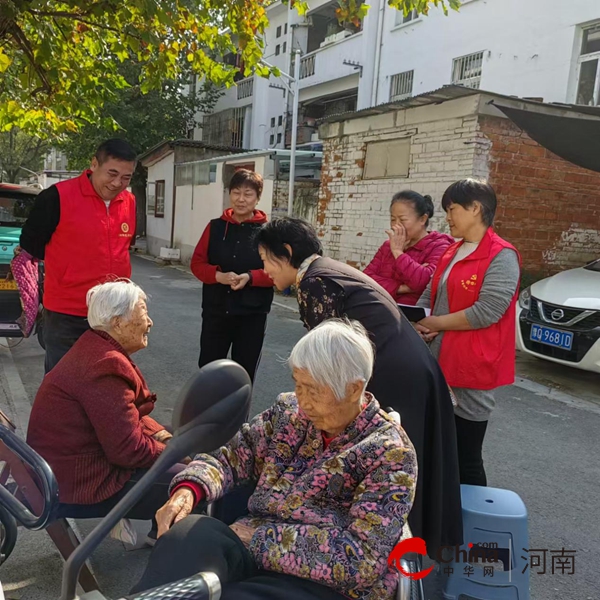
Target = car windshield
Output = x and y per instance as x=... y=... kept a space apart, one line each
x=593 y=266
x=14 y=208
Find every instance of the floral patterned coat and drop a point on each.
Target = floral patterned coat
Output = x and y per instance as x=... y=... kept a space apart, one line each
x=330 y=515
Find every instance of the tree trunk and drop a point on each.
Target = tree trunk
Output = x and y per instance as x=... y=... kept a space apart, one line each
x=138 y=187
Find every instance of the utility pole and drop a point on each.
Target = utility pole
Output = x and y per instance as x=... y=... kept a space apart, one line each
x=295 y=104
x=293 y=89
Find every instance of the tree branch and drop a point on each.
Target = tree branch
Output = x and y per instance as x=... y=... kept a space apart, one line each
x=24 y=44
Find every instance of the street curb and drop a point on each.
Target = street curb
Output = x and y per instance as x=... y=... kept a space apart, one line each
x=551 y=394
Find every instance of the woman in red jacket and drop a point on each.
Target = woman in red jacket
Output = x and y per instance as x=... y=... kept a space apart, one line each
x=90 y=419
x=472 y=326
x=405 y=263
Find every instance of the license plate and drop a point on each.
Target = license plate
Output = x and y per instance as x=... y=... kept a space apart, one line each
x=551 y=337
x=8 y=285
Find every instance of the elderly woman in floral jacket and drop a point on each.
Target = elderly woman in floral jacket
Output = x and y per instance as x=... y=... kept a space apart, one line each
x=335 y=480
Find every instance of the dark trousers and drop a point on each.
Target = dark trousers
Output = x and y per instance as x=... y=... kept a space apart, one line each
x=243 y=334
x=469 y=438
x=60 y=333
x=199 y=543
x=144 y=510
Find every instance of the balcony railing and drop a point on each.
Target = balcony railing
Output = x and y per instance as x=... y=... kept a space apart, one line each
x=245 y=88
x=307 y=66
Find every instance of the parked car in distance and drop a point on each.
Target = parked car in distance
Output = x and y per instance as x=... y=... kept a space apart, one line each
x=16 y=201
x=558 y=318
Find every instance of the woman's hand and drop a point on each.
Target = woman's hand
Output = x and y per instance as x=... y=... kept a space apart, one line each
x=426 y=333
x=162 y=436
x=241 y=282
x=244 y=532
x=404 y=289
x=398 y=239
x=229 y=278
x=179 y=506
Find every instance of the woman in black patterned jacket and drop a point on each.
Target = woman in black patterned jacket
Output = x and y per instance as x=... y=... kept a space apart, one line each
x=406 y=376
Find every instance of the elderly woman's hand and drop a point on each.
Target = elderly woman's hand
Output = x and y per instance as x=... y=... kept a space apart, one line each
x=179 y=506
x=162 y=436
x=244 y=532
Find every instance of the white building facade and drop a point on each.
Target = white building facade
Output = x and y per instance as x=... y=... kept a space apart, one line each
x=529 y=48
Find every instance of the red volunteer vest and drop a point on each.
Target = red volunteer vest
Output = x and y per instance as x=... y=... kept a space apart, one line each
x=480 y=359
x=90 y=245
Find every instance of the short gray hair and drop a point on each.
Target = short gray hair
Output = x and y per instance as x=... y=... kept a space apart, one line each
x=110 y=300
x=335 y=353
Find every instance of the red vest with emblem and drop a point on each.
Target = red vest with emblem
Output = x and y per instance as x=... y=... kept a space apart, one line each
x=480 y=359
x=89 y=246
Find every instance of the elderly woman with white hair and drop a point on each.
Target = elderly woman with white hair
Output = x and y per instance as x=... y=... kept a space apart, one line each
x=90 y=416
x=334 y=480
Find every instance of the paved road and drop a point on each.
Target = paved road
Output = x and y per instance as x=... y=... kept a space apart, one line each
x=543 y=448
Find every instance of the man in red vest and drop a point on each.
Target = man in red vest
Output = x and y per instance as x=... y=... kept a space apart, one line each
x=82 y=229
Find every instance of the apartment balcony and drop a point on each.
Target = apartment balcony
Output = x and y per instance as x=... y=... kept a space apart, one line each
x=245 y=88
x=342 y=58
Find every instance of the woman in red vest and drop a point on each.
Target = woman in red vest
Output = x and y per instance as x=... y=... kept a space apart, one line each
x=471 y=329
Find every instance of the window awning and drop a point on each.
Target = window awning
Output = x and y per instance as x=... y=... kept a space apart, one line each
x=571 y=132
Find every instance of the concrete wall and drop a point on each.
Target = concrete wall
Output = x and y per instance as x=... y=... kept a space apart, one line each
x=548 y=208
x=158 y=230
x=306 y=199
x=353 y=213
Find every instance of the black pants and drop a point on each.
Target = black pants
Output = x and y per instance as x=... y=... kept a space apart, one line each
x=144 y=510
x=243 y=334
x=60 y=333
x=204 y=544
x=469 y=438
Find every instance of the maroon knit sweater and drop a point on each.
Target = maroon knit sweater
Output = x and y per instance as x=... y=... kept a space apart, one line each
x=89 y=420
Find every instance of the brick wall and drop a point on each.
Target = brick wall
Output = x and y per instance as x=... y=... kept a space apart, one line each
x=353 y=213
x=306 y=198
x=548 y=208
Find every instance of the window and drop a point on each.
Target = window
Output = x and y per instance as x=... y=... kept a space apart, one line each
x=278 y=32
x=283 y=50
x=271 y=140
x=277 y=50
x=280 y=120
x=159 y=208
x=279 y=138
x=588 y=84
x=387 y=159
x=402 y=19
x=272 y=121
x=466 y=70
x=194 y=173
x=285 y=29
x=401 y=86
x=151 y=198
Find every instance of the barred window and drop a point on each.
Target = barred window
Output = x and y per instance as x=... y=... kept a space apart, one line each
x=401 y=86
x=466 y=70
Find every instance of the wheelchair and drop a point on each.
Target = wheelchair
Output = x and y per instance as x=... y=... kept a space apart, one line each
x=29 y=492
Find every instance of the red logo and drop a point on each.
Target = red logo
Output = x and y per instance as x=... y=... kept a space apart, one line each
x=411 y=545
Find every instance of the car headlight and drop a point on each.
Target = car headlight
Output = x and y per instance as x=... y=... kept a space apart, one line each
x=525 y=298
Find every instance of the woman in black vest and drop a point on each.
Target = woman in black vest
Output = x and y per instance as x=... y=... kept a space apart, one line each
x=406 y=377
x=237 y=293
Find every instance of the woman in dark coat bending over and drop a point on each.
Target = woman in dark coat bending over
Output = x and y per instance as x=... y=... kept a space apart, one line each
x=406 y=376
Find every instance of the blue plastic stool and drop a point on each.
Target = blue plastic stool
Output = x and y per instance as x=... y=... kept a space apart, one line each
x=489 y=566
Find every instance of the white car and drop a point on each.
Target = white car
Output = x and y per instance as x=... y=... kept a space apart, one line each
x=558 y=318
